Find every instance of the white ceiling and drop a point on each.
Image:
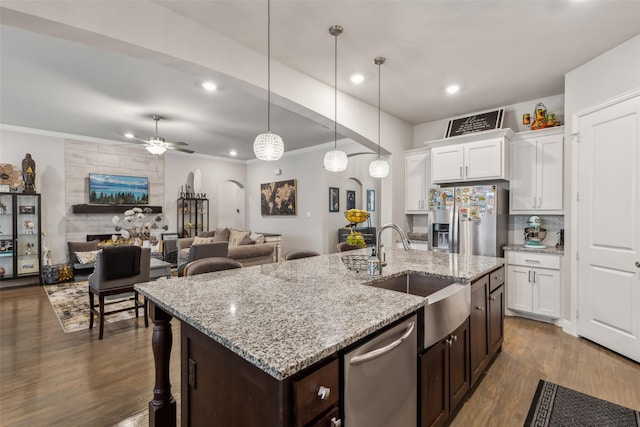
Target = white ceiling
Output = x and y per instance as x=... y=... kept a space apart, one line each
x=500 y=52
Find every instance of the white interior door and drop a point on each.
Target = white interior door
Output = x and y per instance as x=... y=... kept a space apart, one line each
x=609 y=226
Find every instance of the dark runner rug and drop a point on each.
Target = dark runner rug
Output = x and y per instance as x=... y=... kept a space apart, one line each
x=554 y=405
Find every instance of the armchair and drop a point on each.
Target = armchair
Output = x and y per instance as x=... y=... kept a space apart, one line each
x=117 y=269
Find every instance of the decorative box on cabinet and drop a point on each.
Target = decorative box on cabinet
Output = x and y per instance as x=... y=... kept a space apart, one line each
x=537 y=172
x=417 y=165
x=533 y=283
x=193 y=216
x=20 y=236
x=473 y=157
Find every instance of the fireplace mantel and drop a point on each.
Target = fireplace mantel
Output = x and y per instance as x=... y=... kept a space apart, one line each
x=107 y=209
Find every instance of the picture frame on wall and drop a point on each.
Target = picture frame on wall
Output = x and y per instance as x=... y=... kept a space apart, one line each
x=351 y=199
x=279 y=198
x=334 y=199
x=371 y=200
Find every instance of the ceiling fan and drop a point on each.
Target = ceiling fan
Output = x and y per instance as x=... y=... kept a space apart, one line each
x=158 y=145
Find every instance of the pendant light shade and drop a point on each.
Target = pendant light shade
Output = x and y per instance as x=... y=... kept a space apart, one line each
x=335 y=160
x=268 y=146
x=379 y=168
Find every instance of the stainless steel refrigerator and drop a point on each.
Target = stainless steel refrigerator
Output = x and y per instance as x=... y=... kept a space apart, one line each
x=470 y=219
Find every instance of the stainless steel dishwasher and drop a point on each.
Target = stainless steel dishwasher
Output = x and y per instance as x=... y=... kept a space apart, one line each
x=380 y=379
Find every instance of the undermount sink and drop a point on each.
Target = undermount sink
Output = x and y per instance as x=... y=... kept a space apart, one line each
x=414 y=284
x=448 y=302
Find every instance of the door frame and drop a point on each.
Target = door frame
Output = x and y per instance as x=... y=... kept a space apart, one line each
x=573 y=240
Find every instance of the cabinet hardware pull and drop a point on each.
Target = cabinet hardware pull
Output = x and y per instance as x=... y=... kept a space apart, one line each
x=466 y=171
x=534 y=202
x=529 y=276
x=497 y=278
x=455 y=338
x=460 y=171
x=532 y=260
x=540 y=201
x=534 y=277
x=479 y=307
x=492 y=298
x=383 y=350
x=336 y=422
x=324 y=392
x=449 y=342
x=638 y=264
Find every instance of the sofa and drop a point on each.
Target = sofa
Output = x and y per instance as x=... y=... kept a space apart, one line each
x=245 y=247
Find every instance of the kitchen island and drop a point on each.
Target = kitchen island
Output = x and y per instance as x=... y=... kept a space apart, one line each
x=281 y=319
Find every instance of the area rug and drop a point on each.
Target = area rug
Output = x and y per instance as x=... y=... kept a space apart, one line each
x=555 y=406
x=70 y=302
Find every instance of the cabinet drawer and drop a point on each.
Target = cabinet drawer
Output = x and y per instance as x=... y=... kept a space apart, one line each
x=531 y=259
x=308 y=404
x=496 y=279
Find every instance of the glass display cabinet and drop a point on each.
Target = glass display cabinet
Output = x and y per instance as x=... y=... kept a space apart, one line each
x=193 y=216
x=19 y=235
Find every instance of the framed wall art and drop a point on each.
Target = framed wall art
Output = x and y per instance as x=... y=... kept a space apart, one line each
x=351 y=199
x=334 y=199
x=278 y=198
x=371 y=200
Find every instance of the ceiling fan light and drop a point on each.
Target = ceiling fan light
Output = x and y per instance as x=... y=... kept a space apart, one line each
x=335 y=161
x=379 y=168
x=156 y=149
x=268 y=146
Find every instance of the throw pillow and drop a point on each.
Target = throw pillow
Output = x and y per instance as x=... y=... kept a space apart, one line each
x=222 y=234
x=246 y=240
x=202 y=240
x=87 y=257
x=206 y=234
x=236 y=236
x=258 y=238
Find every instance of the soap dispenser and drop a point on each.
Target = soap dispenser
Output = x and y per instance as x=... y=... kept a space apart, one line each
x=374 y=264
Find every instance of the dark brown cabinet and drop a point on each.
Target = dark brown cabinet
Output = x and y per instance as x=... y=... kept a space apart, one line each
x=445 y=379
x=20 y=231
x=193 y=216
x=486 y=321
x=496 y=319
x=478 y=327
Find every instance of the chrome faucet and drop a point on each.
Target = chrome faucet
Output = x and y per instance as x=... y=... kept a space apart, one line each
x=405 y=242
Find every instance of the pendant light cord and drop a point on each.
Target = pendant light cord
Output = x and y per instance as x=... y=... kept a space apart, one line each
x=379 y=65
x=268 y=66
x=335 y=95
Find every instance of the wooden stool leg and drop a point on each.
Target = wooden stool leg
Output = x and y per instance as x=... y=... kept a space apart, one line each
x=91 y=302
x=135 y=302
x=146 y=312
x=101 y=300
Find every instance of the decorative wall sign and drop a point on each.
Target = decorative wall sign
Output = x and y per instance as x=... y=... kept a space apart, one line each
x=351 y=199
x=334 y=199
x=477 y=122
x=371 y=200
x=279 y=198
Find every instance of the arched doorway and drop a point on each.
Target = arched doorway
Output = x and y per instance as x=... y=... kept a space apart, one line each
x=231 y=205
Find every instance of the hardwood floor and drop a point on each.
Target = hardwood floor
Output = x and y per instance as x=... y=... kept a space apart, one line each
x=49 y=378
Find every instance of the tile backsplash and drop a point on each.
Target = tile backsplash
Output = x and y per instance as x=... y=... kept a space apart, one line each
x=552 y=223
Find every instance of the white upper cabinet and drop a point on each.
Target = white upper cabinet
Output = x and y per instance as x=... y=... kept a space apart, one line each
x=537 y=172
x=478 y=158
x=417 y=165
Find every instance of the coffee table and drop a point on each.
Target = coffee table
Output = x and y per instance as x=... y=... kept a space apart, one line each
x=158 y=269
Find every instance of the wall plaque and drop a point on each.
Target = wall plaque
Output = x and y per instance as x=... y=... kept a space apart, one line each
x=477 y=122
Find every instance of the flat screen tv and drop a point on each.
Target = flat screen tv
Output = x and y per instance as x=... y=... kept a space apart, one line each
x=117 y=189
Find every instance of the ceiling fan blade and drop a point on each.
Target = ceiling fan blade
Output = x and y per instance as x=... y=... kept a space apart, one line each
x=137 y=140
x=177 y=143
x=184 y=150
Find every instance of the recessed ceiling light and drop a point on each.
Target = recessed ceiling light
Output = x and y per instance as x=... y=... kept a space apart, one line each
x=451 y=89
x=128 y=135
x=209 y=86
x=233 y=153
x=357 y=78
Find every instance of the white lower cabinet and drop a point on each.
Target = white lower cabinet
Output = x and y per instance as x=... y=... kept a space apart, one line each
x=534 y=283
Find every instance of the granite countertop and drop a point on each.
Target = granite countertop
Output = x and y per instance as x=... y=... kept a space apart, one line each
x=522 y=248
x=285 y=316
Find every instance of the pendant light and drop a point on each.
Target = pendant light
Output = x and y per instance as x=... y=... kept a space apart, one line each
x=268 y=146
x=379 y=168
x=335 y=160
